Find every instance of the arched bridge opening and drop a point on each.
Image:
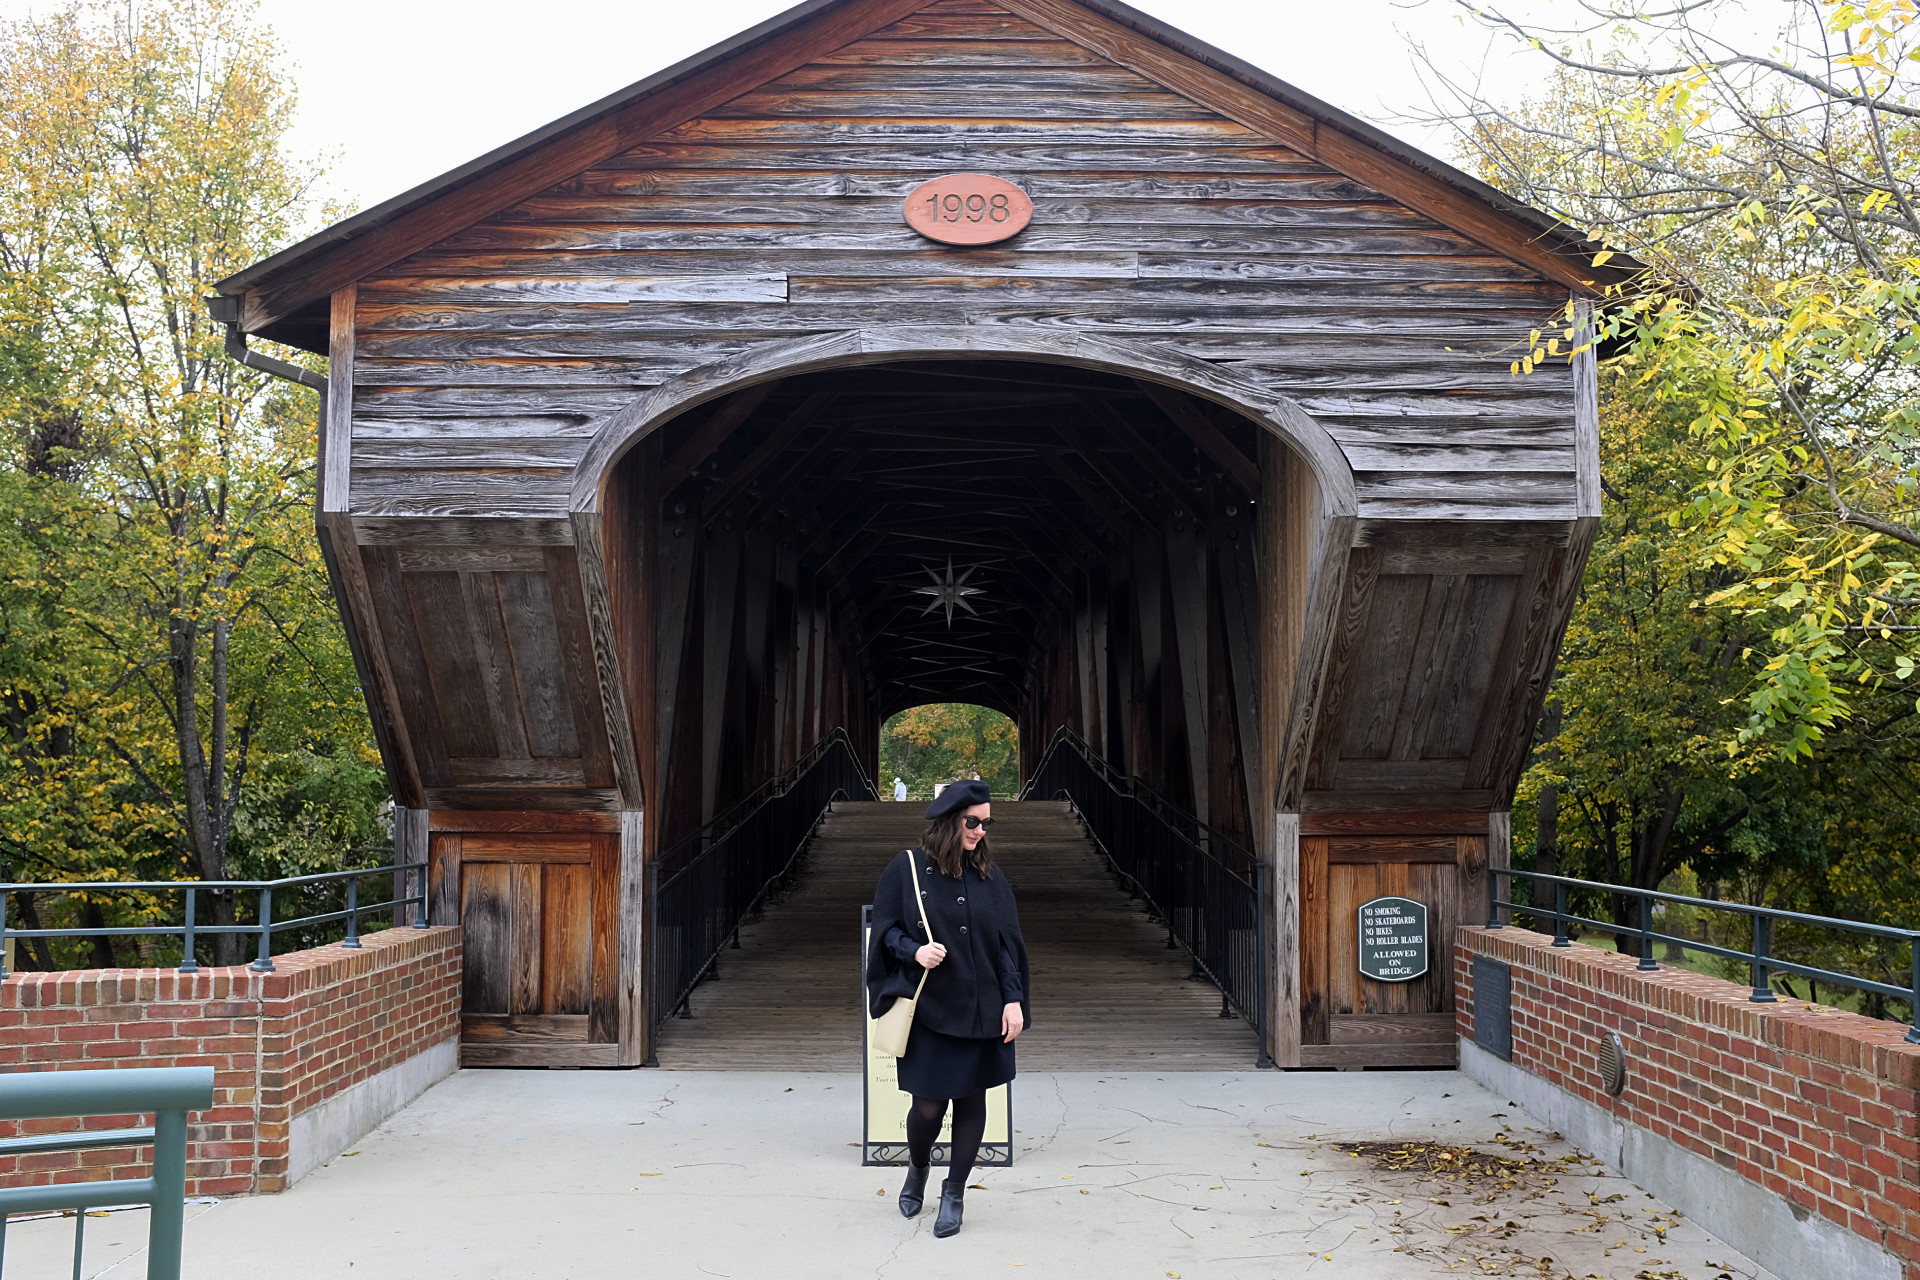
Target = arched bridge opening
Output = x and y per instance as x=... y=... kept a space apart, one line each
x=1077 y=549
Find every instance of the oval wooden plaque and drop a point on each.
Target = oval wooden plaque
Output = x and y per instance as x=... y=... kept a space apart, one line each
x=968 y=208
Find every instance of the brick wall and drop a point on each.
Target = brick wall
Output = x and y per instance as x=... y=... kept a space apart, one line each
x=280 y=1044
x=1815 y=1105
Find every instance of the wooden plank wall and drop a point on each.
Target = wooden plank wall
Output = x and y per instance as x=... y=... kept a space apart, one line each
x=483 y=363
x=1346 y=1019
x=1448 y=636
x=538 y=896
x=480 y=367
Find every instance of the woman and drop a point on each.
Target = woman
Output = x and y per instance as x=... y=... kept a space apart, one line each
x=974 y=1003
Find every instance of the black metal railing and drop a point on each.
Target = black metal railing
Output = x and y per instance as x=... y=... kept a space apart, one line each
x=1207 y=889
x=703 y=886
x=317 y=901
x=1760 y=958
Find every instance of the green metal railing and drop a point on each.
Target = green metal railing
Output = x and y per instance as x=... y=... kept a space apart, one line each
x=1761 y=921
x=265 y=926
x=166 y=1093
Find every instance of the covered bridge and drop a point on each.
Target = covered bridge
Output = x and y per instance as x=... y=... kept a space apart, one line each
x=642 y=433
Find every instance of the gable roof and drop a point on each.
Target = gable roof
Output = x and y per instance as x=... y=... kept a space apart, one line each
x=285 y=297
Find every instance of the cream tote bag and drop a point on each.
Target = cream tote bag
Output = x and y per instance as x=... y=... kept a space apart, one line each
x=891 y=1028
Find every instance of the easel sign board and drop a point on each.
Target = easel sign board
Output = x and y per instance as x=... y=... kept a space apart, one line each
x=883 y=1138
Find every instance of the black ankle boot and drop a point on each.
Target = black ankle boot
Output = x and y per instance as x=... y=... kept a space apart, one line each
x=952 y=1196
x=914 y=1193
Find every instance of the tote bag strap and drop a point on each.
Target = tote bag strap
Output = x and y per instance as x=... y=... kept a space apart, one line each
x=914 y=870
x=918 y=898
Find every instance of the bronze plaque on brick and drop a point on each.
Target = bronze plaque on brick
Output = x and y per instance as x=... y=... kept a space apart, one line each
x=1393 y=939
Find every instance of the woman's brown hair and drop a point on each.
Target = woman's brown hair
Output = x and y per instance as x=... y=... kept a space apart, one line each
x=949 y=852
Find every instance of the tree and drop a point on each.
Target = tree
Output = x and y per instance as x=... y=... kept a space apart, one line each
x=1771 y=188
x=181 y=647
x=945 y=741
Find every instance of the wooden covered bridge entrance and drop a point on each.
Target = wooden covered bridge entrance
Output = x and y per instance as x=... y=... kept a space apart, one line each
x=643 y=434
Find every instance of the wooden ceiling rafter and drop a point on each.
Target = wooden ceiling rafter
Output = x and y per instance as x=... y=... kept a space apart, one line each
x=1084 y=449
x=1088 y=498
x=1240 y=470
x=699 y=446
x=796 y=488
x=748 y=469
x=1178 y=488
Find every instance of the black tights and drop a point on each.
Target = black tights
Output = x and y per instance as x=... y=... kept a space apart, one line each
x=969 y=1126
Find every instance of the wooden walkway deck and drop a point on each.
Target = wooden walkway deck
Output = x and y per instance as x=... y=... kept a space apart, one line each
x=1108 y=994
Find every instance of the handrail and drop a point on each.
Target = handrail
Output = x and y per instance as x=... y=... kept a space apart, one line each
x=1170 y=812
x=726 y=869
x=1760 y=959
x=1173 y=860
x=737 y=814
x=265 y=926
x=167 y=1093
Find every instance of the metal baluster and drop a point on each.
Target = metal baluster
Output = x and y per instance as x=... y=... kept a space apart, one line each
x=79 y=1239
x=3 y=930
x=264 y=964
x=1560 y=914
x=166 y=1220
x=1913 y=1036
x=1493 y=898
x=187 y=962
x=353 y=912
x=420 y=890
x=1762 y=977
x=1647 y=963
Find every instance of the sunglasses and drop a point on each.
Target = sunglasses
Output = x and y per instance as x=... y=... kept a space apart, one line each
x=977 y=824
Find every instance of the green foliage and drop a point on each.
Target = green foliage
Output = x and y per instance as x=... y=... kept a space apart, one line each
x=176 y=693
x=947 y=741
x=1734 y=713
x=1771 y=182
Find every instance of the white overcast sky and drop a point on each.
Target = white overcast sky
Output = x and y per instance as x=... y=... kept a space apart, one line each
x=399 y=91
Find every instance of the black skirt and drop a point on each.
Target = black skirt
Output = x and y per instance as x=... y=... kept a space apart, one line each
x=937 y=1065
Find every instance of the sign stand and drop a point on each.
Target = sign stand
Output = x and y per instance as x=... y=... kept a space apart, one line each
x=884 y=1105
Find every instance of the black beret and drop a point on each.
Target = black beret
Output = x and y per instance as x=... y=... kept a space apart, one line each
x=957 y=796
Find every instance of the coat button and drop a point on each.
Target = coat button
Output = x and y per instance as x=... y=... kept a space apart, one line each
x=963 y=928
x=961 y=900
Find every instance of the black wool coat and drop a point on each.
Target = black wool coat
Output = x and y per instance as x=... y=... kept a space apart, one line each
x=978 y=923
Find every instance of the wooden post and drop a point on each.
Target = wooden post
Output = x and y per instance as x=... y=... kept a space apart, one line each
x=1148 y=628
x=410 y=845
x=1283 y=1030
x=716 y=638
x=1239 y=571
x=672 y=624
x=1499 y=854
x=1097 y=601
x=786 y=570
x=1187 y=579
x=636 y=968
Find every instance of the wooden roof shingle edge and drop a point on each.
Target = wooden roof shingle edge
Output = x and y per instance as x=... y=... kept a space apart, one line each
x=278 y=290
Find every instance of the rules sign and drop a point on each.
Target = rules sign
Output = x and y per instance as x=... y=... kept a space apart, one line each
x=1393 y=939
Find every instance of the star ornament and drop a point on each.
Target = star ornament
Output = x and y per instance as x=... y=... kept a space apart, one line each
x=949 y=591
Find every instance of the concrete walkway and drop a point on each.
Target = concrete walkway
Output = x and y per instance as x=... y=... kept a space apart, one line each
x=1195 y=1176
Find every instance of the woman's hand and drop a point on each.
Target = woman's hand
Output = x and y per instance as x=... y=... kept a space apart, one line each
x=1012 y=1021
x=930 y=956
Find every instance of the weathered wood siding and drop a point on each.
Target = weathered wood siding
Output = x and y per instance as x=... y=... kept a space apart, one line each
x=484 y=363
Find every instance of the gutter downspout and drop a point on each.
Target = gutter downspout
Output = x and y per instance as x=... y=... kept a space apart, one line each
x=226 y=311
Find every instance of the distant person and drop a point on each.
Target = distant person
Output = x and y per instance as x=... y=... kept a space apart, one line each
x=974 y=1002
x=899 y=790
